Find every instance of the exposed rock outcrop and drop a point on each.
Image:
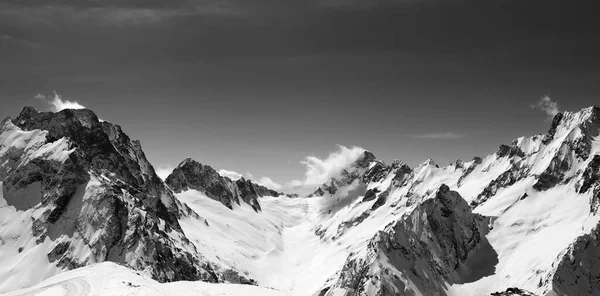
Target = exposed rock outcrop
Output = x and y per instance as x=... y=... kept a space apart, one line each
x=513 y=292
x=577 y=271
x=422 y=252
x=190 y=174
x=509 y=151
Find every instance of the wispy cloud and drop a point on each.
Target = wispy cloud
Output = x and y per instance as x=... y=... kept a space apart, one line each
x=267 y=182
x=230 y=174
x=110 y=15
x=546 y=105
x=442 y=136
x=57 y=103
x=319 y=171
x=295 y=184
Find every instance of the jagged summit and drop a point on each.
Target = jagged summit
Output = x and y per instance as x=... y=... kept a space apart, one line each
x=585 y=119
x=32 y=117
x=191 y=174
x=186 y=161
x=88 y=194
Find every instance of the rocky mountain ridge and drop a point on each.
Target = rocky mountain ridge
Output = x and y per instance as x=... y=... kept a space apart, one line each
x=190 y=174
x=561 y=163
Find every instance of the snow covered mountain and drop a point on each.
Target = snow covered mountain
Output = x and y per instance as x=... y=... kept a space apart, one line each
x=521 y=221
x=77 y=191
x=190 y=174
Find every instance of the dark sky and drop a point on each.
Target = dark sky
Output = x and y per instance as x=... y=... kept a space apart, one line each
x=255 y=86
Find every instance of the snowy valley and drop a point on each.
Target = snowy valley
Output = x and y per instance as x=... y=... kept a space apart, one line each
x=82 y=212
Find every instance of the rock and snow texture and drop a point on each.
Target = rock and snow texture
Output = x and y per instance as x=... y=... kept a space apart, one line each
x=190 y=174
x=441 y=241
x=521 y=221
x=76 y=191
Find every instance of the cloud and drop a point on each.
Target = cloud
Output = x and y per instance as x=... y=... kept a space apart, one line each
x=267 y=182
x=230 y=174
x=319 y=171
x=163 y=171
x=546 y=105
x=295 y=184
x=110 y=15
x=443 y=136
x=57 y=103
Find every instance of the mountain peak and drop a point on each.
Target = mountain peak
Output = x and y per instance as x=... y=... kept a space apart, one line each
x=187 y=161
x=28 y=109
x=562 y=123
x=90 y=178
x=365 y=159
x=191 y=174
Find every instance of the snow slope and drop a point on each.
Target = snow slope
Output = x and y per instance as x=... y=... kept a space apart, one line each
x=110 y=279
x=277 y=247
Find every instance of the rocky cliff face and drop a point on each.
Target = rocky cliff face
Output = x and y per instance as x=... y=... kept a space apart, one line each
x=92 y=196
x=422 y=252
x=577 y=270
x=190 y=174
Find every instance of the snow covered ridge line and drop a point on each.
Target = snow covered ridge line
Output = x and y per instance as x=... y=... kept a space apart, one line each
x=190 y=174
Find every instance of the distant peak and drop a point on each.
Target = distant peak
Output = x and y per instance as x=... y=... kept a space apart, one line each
x=591 y=113
x=566 y=121
x=186 y=161
x=399 y=163
x=28 y=109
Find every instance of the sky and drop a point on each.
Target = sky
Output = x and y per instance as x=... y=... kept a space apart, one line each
x=256 y=87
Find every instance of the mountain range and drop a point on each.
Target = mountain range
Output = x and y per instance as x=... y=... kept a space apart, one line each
x=82 y=212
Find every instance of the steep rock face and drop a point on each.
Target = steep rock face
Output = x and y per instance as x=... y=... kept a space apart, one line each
x=515 y=173
x=93 y=196
x=578 y=131
x=510 y=151
x=577 y=272
x=191 y=174
x=421 y=253
x=102 y=147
